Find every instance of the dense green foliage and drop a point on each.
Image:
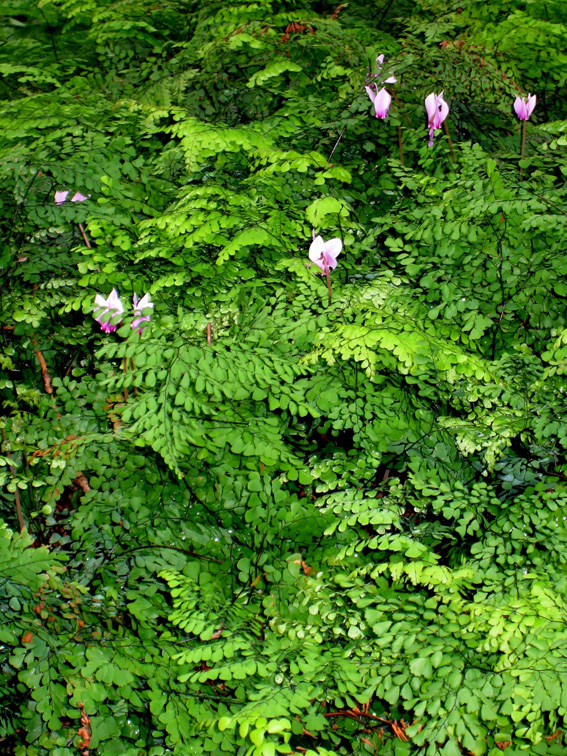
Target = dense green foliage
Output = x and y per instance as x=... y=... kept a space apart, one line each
x=336 y=528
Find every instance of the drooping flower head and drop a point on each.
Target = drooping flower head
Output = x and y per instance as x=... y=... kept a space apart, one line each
x=381 y=100
x=524 y=108
x=144 y=304
x=112 y=305
x=324 y=254
x=437 y=111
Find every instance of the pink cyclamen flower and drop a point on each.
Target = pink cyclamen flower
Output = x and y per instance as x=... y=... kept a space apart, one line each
x=437 y=111
x=112 y=305
x=524 y=108
x=61 y=197
x=381 y=100
x=324 y=254
x=144 y=303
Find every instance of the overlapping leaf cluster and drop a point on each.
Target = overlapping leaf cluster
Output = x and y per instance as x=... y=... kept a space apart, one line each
x=270 y=524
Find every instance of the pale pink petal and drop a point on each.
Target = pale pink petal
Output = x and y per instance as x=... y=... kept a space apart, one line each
x=443 y=110
x=144 y=304
x=430 y=106
x=390 y=80
x=532 y=99
x=60 y=197
x=382 y=103
x=329 y=260
x=333 y=248
x=380 y=59
x=108 y=309
x=371 y=93
x=316 y=249
x=114 y=303
x=78 y=197
x=521 y=108
x=437 y=110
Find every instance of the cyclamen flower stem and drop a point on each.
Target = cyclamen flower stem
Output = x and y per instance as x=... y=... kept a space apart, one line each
x=400 y=107
x=400 y=145
x=86 y=240
x=208 y=333
x=523 y=150
x=328 y=280
x=450 y=142
x=125 y=370
x=132 y=369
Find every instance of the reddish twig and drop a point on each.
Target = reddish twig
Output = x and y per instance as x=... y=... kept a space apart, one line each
x=44 y=372
x=82 y=482
x=208 y=333
x=84 y=732
x=46 y=377
x=85 y=237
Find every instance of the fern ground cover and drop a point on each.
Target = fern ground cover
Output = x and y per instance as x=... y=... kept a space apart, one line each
x=262 y=492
